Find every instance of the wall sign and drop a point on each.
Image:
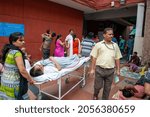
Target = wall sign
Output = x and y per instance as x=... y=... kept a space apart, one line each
x=7 y=28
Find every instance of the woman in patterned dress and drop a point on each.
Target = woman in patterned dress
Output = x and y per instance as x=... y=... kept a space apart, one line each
x=15 y=78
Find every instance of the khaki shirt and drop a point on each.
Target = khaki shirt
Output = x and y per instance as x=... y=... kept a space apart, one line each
x=106 y=54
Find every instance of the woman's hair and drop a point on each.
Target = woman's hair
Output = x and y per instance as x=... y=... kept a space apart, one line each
x=74 y=36
x=58 y=36
x=12 y=38
x=36 y=72
x=15 y=36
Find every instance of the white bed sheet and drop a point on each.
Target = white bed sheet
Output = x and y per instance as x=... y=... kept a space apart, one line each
x=58 y=74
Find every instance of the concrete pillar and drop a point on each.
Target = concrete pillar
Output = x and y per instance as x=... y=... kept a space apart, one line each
x=139 y=19
x=138 y=41
x=146 y=41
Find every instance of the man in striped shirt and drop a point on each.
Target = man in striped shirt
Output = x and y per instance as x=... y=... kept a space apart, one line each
x=87 y=44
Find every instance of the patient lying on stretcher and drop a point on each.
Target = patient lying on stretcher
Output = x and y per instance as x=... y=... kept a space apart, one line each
x=53 y=64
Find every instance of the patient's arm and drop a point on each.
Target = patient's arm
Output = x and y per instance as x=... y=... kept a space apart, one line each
x=55 y=63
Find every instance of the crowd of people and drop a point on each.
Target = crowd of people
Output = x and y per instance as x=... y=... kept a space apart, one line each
x=125 y=45
x=68 y=46
x=105 y=60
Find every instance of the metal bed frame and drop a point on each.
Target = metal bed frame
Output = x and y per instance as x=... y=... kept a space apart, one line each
x=59 y=82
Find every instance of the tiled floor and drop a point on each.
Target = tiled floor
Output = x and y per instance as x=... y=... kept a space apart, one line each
x=79 y=93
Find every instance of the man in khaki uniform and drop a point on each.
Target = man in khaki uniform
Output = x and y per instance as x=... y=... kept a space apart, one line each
x=105 y=57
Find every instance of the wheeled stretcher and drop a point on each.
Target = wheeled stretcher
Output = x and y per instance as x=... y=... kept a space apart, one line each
x=58 y=76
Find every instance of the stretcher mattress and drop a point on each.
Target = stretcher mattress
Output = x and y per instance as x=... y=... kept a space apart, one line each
x=58 y=74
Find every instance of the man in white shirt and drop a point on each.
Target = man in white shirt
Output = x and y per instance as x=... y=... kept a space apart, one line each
x=69 y=43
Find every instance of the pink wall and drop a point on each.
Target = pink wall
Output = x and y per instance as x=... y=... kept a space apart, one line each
x=37 y=16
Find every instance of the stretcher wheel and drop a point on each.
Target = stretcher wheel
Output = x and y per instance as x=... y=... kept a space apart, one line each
x=39 y=96
x=82 y=84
